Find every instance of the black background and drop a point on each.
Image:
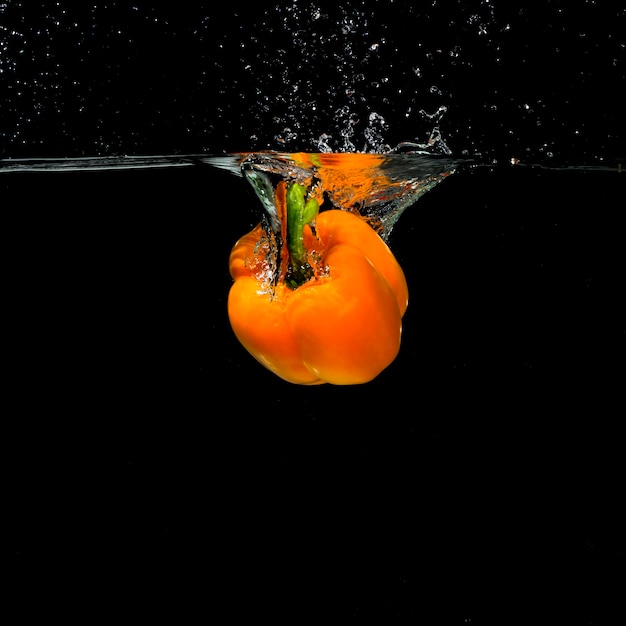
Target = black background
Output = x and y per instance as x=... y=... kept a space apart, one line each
x=538 y=81
x=153 y=468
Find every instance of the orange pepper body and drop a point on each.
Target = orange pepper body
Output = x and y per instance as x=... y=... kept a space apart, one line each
x=343 y=326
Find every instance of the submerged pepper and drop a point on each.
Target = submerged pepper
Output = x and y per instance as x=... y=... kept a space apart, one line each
x=329 y=309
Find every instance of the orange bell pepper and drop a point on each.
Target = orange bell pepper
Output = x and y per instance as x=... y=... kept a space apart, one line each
x=329 y=307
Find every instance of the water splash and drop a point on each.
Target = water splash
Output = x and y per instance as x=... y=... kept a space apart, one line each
x=378 y=187
x=325 y=79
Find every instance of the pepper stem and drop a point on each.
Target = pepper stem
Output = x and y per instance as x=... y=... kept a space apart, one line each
x=300 y=212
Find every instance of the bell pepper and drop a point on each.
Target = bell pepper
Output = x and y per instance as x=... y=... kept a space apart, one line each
x=321 y=301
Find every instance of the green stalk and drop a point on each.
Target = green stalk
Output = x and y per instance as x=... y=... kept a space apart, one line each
x=299 y=214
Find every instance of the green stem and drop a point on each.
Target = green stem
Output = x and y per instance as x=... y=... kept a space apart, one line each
x=299 y=214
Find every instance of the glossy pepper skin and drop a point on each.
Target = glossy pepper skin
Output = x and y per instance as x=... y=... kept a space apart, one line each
x=342 y=325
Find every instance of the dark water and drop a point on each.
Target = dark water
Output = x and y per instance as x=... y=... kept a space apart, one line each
x=487 y=461
x=148 y=460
